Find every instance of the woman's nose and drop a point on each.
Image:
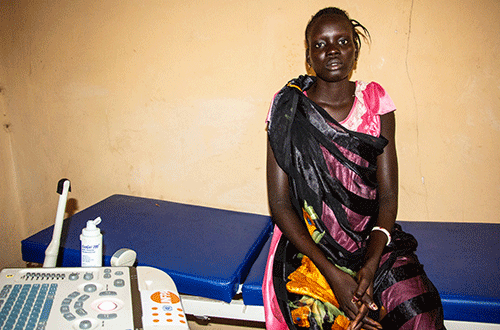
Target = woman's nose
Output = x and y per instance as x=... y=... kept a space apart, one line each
x=332 y=49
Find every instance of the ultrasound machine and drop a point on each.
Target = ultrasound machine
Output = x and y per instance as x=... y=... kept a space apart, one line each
x=115 y=297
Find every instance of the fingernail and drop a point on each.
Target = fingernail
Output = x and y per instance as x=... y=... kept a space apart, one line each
x=373 y=306
x=355 y=299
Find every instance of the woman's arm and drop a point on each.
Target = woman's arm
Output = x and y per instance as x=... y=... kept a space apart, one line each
x=387 y=177
x=292 y=227
x=284 y=214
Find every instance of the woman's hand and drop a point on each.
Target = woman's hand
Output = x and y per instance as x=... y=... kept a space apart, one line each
x=363 y=295
x=344 y=287
x=358 y=321
x=365 y=282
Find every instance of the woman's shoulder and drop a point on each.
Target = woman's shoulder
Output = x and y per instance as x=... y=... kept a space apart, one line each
x=374 y=97
x=372 y=87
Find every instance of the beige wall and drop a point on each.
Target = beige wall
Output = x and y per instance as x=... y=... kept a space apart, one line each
x=167 y=99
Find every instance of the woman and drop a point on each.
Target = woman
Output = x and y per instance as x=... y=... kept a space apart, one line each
x=332 y=186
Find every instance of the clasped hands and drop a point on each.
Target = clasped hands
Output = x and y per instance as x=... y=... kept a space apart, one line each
x=355 y=298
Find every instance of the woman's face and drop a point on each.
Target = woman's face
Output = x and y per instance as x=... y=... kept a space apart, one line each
x=331 y=49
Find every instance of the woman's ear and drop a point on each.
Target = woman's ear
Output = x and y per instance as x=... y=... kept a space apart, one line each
x=309 y=68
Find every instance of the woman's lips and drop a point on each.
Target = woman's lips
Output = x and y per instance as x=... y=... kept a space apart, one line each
x=333 y=64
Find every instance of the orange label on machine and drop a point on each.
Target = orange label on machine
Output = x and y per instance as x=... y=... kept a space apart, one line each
x=165 y=297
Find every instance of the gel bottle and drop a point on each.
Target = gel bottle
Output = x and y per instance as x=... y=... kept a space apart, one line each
x=91 y=238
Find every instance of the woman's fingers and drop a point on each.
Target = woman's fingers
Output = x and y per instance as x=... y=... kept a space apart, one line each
x=369 y=323
x=364 y=287
x=364 y=327
x=361 y=290
x=366 y=296
x=367 y=301
x=365 y=323
x=361 y=321
x=356 y=323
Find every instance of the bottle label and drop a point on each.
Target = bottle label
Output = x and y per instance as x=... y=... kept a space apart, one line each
x=92 y=248
x=91 y=255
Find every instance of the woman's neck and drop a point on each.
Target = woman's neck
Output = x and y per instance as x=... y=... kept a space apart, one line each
x=337 y=98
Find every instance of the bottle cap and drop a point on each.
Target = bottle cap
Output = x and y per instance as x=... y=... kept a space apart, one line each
x=91 y=229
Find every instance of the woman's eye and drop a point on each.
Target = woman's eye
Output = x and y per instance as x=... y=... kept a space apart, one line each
x=343 y=42
x=319 y=44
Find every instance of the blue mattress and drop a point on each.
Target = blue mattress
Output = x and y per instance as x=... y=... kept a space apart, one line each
x=207 y=251
x=252 y=288
x=463 y=262
x=461 y=259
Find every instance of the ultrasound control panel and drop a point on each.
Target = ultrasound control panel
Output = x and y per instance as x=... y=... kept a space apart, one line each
x=89 y=298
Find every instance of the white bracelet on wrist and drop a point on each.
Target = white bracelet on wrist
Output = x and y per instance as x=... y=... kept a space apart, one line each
x=385 y=231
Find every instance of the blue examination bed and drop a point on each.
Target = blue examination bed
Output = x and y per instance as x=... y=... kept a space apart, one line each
x=217 y=257
x=207 y=252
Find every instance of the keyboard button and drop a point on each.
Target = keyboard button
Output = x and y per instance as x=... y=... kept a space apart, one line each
x=66 y=301
x=84 y=297
x=73 y=276
x=119 y=283
x=107 y=316
x=86 y=324
x=74 y=294
x=81 y=312
x=90 y=288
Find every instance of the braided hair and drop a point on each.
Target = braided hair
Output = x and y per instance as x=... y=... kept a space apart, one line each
x=358 y=30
